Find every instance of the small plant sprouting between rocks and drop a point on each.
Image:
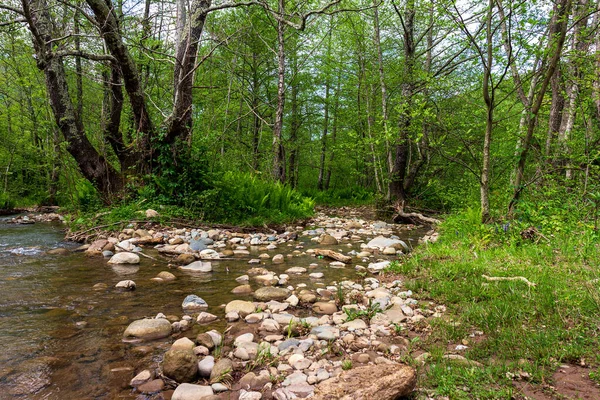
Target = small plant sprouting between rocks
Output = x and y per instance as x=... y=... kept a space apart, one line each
x=397 y=328
x=366 y=315
x=346 y=365
x=340 y=296
x=264 y=358
x=224 y=377
x=297 y=328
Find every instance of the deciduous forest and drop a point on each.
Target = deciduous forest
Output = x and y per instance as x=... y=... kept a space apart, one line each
x=427 y=104
x=449 y=148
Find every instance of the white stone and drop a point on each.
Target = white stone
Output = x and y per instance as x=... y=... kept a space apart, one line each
x=187 y=391
x=124 y=258
x=197 y=266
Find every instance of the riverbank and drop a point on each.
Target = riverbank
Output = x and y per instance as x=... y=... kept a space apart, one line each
x=294 y=327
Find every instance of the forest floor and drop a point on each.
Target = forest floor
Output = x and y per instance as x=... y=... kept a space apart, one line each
x=524 y=313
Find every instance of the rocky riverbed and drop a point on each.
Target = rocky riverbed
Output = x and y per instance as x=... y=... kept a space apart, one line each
x=294 y=327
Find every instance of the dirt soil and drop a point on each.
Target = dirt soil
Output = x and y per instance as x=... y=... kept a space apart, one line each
x=570 y=382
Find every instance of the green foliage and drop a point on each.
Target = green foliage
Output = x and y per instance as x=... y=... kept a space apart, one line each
x=341 y=197
x=241 y=197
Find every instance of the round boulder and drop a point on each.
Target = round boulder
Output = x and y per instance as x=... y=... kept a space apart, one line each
x=269 y=293
x=124 y=258
x=148 y=329
x=180 y=365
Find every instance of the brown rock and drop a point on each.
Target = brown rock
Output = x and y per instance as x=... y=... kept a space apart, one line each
x=328 y=240
x=242 y=289
x=374 y=382
x=185 y=259
x=324 y=308
x=180 y=365
x=153 y=386
x=205 y=340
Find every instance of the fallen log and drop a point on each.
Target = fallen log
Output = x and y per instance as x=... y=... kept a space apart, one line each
x=508 y=278
x=334 y=255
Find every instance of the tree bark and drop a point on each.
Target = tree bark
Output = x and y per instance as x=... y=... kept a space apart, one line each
x=396 y=186
x=278 y=149
x=180 y=121
x=556 y=42
x=488 y=97
x=579 y=48
x=92 y=165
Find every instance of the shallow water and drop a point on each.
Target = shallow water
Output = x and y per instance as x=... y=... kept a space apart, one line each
x=61 y=339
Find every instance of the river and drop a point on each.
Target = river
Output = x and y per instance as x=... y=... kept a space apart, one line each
x=61 y=339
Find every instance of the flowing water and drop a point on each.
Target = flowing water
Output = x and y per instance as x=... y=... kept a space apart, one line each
x=61 y=339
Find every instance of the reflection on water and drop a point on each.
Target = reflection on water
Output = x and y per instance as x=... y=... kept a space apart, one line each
x=61 y=337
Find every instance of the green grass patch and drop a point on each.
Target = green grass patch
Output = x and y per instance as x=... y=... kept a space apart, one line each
x=531 y=328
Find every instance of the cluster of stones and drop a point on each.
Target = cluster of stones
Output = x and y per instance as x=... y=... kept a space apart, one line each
x=286 y=356
x=280 y=355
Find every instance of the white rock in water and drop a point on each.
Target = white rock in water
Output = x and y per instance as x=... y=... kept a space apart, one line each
x=125 y=245
x=205 y=317
x=197 y=266
x=128 y=285
x=141 y=378
x=209 y=254
x=193 y=302
x=381 y=243
x=124 y=258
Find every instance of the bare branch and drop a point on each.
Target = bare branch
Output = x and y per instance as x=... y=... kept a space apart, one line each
x=87 y=56
x=15 y=21
x=12 y=9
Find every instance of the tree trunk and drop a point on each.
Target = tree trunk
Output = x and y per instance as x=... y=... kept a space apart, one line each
x=278 y=149
x=488 y=97
x=92 y=165
x=579 y=48
x=295 y=121
x=396 y=189
x=556 y=42
x=180 y=121
x=321 y=179
x=333 y=129
x=384 y=107
x=556 y=113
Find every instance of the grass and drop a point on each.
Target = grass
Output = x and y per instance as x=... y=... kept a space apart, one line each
x=367 y=314
x=532 y=329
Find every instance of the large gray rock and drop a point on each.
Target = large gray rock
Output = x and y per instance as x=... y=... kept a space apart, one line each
x=187 y=391
x=180 y=365
x=271 y=293
x=197 y=266
x=325 y=332
x=193 y=303
x=148 y=329
x=375 y=382
x=124 y=258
